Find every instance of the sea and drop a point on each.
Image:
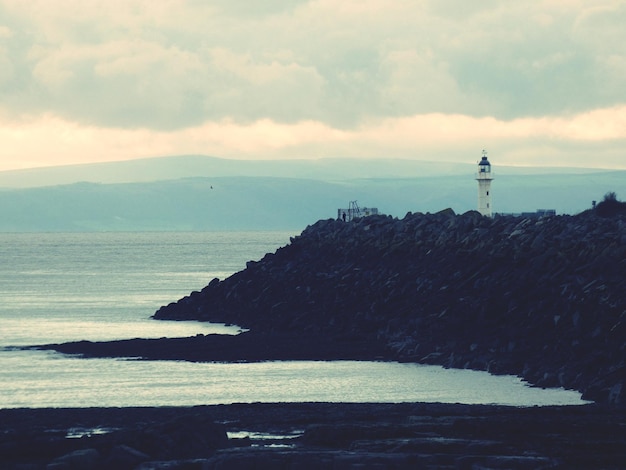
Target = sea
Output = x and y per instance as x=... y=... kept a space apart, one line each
x=57 y=287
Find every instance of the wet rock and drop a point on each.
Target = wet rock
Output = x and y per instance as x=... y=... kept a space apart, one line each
x=83 y=459
x=124 y=457
x=336 y=435
x=184 y=437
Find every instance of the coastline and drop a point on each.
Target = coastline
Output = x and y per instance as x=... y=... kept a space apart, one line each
x=539 y=298
x=322 y=435
x=393 y=301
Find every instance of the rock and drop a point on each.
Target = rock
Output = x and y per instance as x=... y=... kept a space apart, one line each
x=336 y=435
x=186 y=436
x=83 y=459
x=124 y=457
x=541 y=298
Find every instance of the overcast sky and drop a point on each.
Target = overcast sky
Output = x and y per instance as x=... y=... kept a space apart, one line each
x=535 y=82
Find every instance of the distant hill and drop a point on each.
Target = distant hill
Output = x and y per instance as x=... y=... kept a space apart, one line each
x=277 y=203
x=186 y=166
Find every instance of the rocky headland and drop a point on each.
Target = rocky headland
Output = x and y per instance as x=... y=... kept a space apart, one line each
x=542 y=298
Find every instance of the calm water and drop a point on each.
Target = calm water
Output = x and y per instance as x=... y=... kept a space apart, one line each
x=97 y=286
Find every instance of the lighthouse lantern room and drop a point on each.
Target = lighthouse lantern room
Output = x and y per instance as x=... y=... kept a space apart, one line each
x=484 y=178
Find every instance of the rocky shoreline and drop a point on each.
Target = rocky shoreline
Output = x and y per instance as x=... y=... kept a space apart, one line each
x=249 y=346
x=314 y=435
x=541 y=298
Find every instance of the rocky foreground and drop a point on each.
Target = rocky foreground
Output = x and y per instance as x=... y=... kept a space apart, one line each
x=320 y=436
x=542 y=298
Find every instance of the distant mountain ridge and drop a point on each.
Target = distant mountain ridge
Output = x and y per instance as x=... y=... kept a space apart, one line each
x=185 y=166
x=272 y=195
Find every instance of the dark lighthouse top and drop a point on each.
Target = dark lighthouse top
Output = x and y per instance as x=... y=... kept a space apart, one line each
x=484 y=165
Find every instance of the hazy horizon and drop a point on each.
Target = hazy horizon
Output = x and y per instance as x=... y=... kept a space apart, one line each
x=323 y=169
x=206 y=193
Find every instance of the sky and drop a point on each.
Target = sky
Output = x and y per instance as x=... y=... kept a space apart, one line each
x=535 y=82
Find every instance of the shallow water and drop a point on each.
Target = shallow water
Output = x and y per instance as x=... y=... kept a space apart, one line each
x=48 y=379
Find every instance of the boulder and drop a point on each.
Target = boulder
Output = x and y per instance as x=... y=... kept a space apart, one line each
x=83 y=459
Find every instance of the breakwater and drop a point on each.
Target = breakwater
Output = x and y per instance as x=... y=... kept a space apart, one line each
x=540 y=298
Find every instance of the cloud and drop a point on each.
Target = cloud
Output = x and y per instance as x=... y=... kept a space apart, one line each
x=176 y=63
x=118 y=83
x=359 y=73
x=433 y=136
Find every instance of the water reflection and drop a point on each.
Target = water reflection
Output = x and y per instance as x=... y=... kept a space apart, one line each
x=49 y=379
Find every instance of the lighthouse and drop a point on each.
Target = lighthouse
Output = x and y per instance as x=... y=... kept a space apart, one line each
x=484 y=178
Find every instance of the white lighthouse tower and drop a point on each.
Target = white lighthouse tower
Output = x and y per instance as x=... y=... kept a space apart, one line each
x=484 y=178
